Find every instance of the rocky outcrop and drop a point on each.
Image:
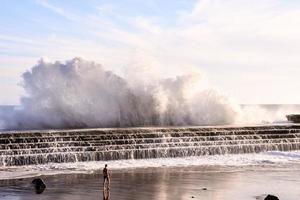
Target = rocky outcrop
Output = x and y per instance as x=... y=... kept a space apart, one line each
x=271 y=197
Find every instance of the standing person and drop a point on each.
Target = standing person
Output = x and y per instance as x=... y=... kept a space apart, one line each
x=106 y=177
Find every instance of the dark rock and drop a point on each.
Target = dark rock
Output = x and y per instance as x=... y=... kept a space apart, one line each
x=271 y=197
x=193 y=197
x=295 y=118
x=204 y=188
x=39 y=185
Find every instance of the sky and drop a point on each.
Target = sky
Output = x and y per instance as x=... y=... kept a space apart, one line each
x=249 y=50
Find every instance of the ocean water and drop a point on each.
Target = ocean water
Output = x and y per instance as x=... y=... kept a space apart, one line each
x=229 y=177
x=215 y=177
x=276 y=159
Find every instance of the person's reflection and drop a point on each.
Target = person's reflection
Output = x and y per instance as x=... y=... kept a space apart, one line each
x=106 y=194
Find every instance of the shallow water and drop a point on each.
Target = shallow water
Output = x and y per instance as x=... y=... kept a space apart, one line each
x=227 y=162
x=226 y=177
x=222 y=183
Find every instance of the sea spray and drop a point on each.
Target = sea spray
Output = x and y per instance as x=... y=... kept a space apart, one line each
x=80 y=93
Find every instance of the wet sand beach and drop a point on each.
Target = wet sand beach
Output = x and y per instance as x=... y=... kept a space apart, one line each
x=176 y=183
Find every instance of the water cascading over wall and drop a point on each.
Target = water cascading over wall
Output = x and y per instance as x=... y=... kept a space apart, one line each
x=40 y=147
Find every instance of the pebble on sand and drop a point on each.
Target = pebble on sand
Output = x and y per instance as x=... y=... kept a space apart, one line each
x=39 y=185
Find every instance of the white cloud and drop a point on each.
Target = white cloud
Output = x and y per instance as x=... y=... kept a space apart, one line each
x=57 y=10
x=231 y=40
x=106 y=8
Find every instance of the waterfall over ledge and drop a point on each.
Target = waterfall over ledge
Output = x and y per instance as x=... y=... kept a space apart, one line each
x=79 y=145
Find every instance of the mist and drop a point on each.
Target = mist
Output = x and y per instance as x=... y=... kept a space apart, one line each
x=83 y=94
x=80 y=94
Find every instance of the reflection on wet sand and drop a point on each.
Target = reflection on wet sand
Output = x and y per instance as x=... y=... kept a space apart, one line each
x=106 y=194
x=161 y=184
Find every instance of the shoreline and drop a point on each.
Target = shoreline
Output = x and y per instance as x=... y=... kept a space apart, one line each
x=165 y=183
x=274 y=159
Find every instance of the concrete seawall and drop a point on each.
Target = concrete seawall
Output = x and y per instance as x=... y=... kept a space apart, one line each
x=40 y=147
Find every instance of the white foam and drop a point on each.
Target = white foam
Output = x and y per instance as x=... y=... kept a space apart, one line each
x=232 y=161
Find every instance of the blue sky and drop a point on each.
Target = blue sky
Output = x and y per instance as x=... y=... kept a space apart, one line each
x=249 y=50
